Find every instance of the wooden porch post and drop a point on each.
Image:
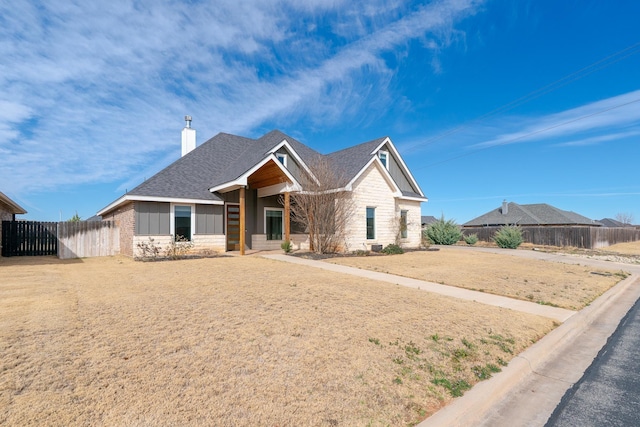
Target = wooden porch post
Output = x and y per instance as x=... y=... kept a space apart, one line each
x=242 y=220
x=287 y=216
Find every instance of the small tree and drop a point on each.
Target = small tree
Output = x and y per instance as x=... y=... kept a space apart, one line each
x=75 y=218
x=625 y=217
x=323 y=207
x=443 y=232
x=508 y=237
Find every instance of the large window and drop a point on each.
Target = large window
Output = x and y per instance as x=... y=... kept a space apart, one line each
x=371 y=223
x=273 y=223
x=182 y=222
x=403 y=224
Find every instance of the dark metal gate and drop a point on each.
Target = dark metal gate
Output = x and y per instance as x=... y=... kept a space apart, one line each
x=29 y=238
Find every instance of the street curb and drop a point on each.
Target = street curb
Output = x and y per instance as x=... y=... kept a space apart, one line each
x=470 y=409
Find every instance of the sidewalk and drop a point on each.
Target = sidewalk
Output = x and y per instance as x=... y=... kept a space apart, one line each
x=527 y=391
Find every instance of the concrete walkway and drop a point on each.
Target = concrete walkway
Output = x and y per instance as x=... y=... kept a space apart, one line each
x=528 y=390
x=559 y=314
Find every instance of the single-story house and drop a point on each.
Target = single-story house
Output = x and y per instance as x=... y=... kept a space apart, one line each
x=233 y=193
x=8 y=211
x=610 y=222
x=427 y=220
x=539 y=214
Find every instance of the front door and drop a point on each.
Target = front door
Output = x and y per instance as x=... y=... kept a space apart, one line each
x=233 y=227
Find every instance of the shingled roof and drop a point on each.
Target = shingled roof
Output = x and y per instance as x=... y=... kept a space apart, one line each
x=225 y=158
x=532 y=215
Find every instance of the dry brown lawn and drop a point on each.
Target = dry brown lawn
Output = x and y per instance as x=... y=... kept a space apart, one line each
x=630 y=248
x=561 y=285
x=235 y=341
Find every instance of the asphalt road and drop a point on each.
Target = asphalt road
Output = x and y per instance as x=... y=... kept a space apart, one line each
x=608 y=394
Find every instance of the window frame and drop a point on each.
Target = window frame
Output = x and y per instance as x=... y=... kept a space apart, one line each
x=192 y=219
x=281 y=210
x=282 y=158
x=371 y=209
x=384 y=162
x=404 y=223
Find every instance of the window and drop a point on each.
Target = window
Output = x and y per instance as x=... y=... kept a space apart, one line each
x=273 y=223
x=403 y=224
x=371 y=223
x=182 y=222
x=384 y=158
x=282 y=158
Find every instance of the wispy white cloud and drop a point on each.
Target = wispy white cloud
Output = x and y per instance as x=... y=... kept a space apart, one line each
x=95 y=91
x=597 y=121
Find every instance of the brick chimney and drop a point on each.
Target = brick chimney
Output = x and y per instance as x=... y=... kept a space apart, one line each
x=188 y=137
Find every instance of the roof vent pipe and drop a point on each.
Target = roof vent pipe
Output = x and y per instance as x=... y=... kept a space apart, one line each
x=188 y=137
x=505 y=207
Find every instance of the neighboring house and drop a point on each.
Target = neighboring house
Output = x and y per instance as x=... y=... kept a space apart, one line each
x=8 y=211
x=427 y=220
x=539 y=214
x=609 y=222
x=233 y=193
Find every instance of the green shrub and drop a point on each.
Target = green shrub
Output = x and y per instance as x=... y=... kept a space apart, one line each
x=509 y=237
x=392 y=249
x=443 y=232
x=286 y=246
x=471 y=239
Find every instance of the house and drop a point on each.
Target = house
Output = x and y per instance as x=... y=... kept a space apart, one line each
x=610 y=222
x=427 y=220
x=8 y=211
x=539 y=214
x=232 y=193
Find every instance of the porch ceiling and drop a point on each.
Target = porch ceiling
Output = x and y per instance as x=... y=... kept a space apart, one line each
x=268 y=174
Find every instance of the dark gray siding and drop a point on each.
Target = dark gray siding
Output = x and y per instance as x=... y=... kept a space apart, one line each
x=209 y=219
x=292 y=166
x=395 y=170
x=152 y=218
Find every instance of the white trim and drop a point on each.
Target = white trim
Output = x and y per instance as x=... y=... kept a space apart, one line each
x=241 y=181
x=134 y=198
x=386 y=155
x=172 y=219
x=264 y=224
x=284 y=158
x=375 y=225
x=413 y=199
x=295 y=155
x=385 y=174
x=272 y=190
x=396 y=154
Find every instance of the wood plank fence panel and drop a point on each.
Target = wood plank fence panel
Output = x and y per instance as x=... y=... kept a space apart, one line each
x=88 y=239
x=578 y=237
x=29 y=238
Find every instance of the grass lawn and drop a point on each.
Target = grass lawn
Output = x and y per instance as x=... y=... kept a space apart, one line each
x=560 y=285
x=237 y=341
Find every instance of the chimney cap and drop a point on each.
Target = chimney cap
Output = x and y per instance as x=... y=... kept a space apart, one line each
x=188 y=120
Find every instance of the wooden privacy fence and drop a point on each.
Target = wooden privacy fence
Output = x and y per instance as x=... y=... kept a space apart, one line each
x=578 y=237
x=65 y=239
x=88 y=239
x=29 y=238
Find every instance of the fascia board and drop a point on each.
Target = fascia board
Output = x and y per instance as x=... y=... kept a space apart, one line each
x=134 y=198
x=396 y=154
x=241 y=181
x=295 y=155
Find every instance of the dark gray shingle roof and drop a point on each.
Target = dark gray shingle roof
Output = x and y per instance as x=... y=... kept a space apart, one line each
x=350 y=161
x=533 y=214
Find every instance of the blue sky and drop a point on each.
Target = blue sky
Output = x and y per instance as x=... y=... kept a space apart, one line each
x=528 y=101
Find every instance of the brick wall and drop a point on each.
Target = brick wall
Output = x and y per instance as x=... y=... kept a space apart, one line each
x=125 y=217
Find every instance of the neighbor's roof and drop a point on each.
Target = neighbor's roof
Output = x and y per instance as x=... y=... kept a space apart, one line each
x=428 y=219
x=609 y=222
x=10 y=205
x=534 y=214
